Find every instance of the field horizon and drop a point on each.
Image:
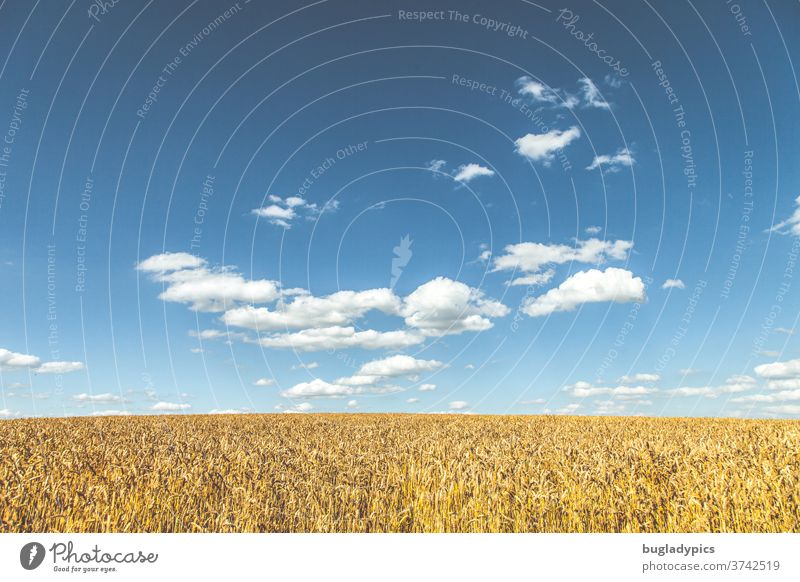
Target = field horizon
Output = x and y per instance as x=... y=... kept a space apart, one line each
x=363 y=472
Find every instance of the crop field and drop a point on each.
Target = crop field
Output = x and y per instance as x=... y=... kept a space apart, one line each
x=399 y=473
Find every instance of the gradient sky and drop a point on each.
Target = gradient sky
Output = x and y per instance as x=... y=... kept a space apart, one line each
x=588 y=208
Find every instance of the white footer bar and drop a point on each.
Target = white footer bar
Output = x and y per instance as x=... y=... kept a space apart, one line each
x=616 y=557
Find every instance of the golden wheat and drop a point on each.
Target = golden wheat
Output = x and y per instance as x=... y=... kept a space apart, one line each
x=399 y=473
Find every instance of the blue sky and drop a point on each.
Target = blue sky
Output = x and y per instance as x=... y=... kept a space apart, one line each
x=325 y=207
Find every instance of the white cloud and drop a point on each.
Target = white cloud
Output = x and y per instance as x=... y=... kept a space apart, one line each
x=105 y=397
x=609 y=407
x=732 y=385
x=308 y=366
x=788 y=369
x=458 y=405
x=591 y=94
x=638 y=378
x=334 y=338
x=542 y=147
x=446 y=307
x=10 y=360
x=228 y=411
x=352 y=404
x=784 y=330
x=792 y=224
x=593 y=230
x=587 y=390
x=535 y=279
x=673 y=284
x=300 y=408
x=283 y=211
x=436 y=165
x=275 y=211
x=6 y=413
x=307 y=311
x=111 y=413
x=785 y=384
x=592 y=286
x=167 y=262
x=536 y=90
x=427 y=387
x=170 y=406
x=782 y=396
x=264 y=382
x=319 y=388
x=203 y=288
x=399 y=365
x=688 y=371
x=468 y=172
x=412 y=400
x=530 y=257
x=59 y=367
x=15 y=361
x=790 y=409
x=612 y=163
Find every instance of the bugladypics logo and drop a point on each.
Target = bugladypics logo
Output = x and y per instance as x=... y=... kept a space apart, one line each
x=31 y=555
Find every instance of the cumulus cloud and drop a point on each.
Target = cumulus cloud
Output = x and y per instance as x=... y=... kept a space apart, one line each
x=333 y=338
x=785 y=384
x=788 y=369
x=264 y=382
x=673 y=284
x=791 y=225
x=300 y=408
x=732 y=385
x=11 y=361
x=427 y=387
x=540 y=93
x=399 y=365
x=371 y=378
x=593 y=230
x=111 y=413
x=170 y=406
x=531 y=258
x=790 y=409
x=167 y=262
x=612 y=163
x=59 y=367
x=587 y=390
x=319 y=388
x=445 y=307
x=6 y=413
x=469 y=172
x=306 y=366
x=588 y=95
x=439 y=307
x=105 y=397
x=636 y=378
x=781 y=396
x=203 y=288
x=307 y=311
x=543 y=146
x=458 y=405
x=283 y=211
x=592 y=286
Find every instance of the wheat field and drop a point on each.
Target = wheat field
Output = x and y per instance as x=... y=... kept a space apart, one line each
x=399 y=473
